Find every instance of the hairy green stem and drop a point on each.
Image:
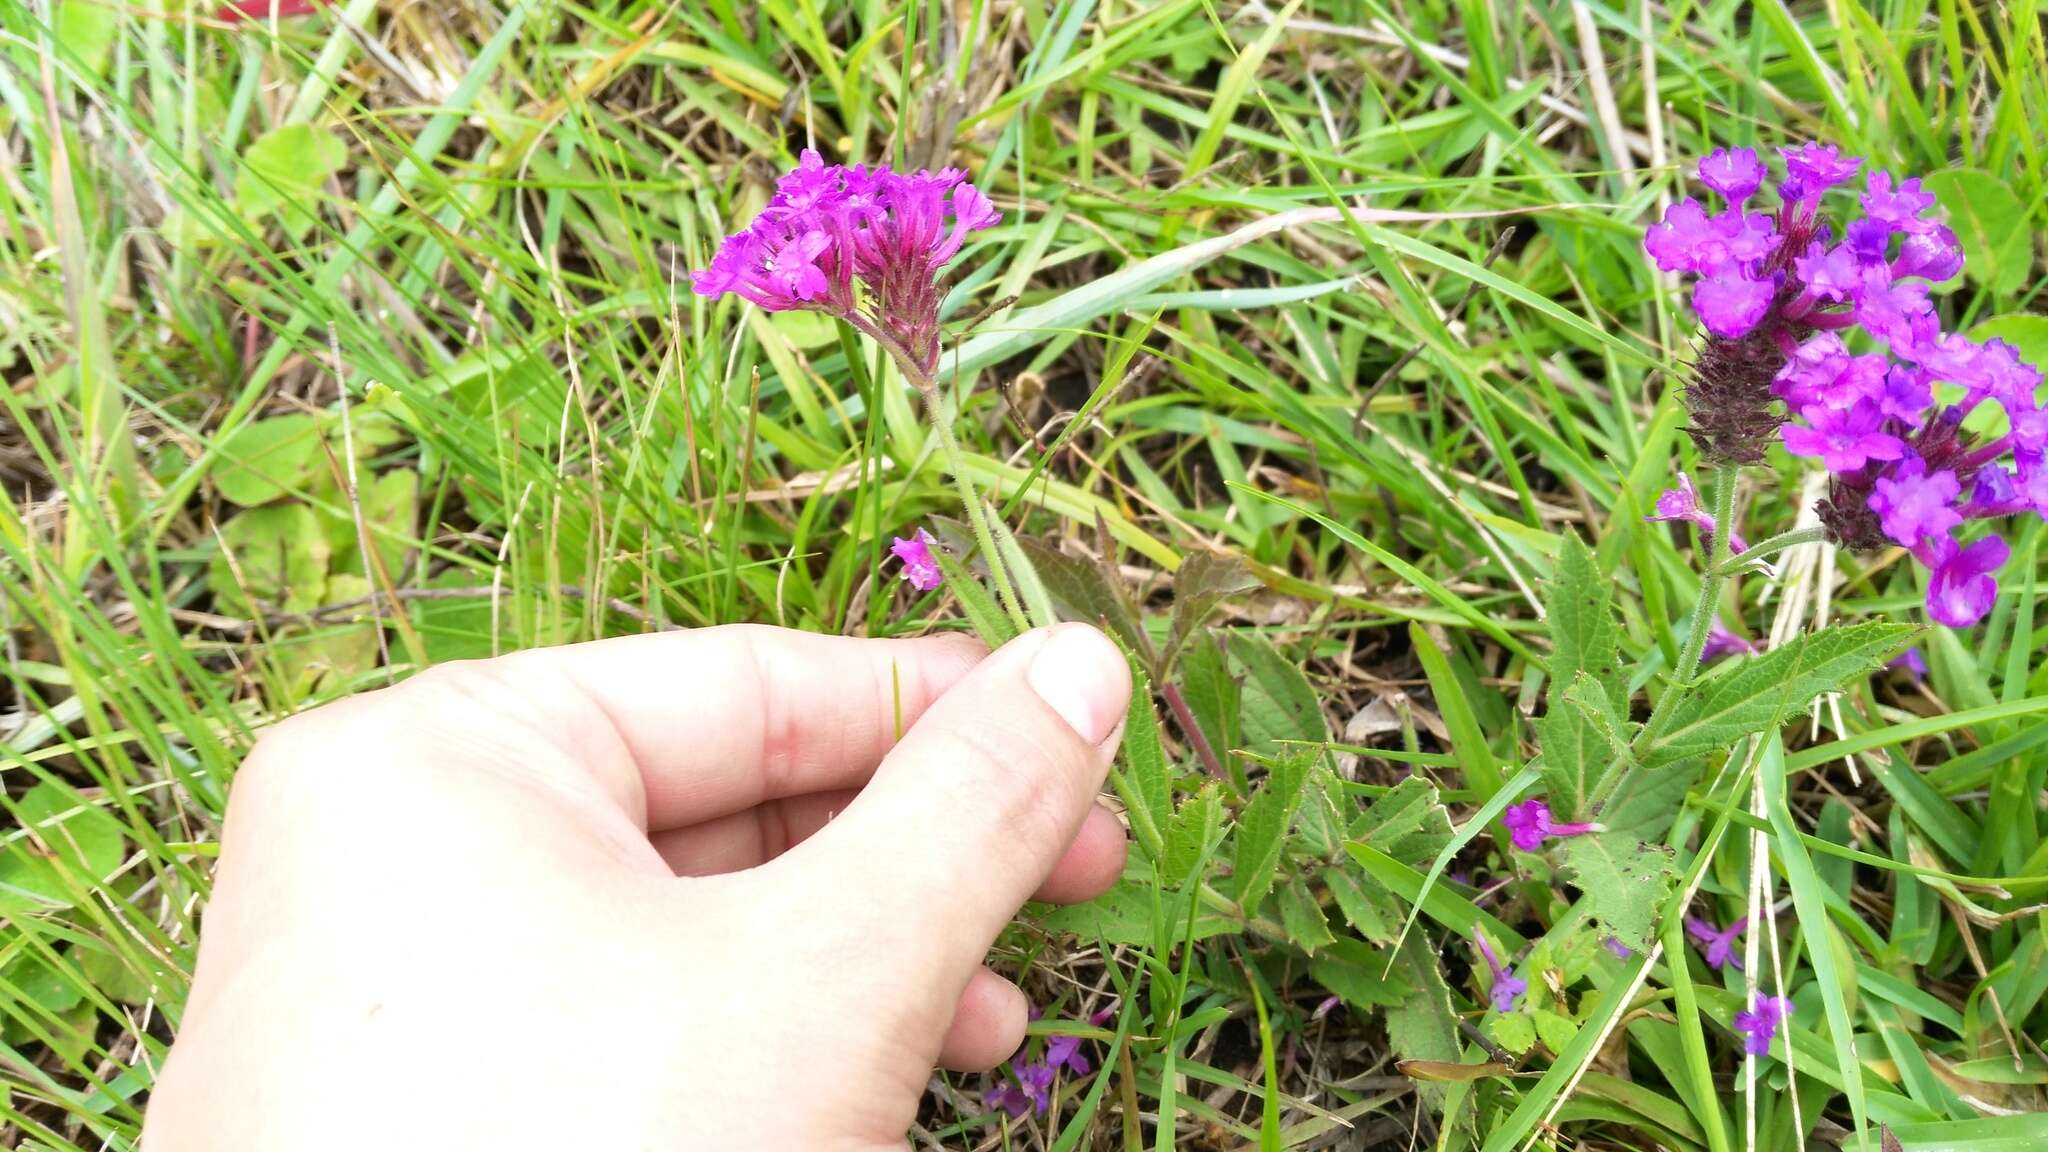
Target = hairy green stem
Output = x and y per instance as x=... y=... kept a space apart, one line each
x=1705 y=611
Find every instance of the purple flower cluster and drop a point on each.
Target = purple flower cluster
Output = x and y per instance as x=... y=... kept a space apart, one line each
x=1029 y=1088
x=1529 y=824
x=863 y=245
x=1840 y=327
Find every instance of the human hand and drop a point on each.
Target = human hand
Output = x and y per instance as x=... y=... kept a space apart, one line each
x=683 y=890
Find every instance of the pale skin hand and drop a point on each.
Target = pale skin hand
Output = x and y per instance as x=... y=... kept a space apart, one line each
x=675 y=891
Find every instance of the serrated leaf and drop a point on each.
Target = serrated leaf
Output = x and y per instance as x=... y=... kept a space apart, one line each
x=1203 y=580
x=990 y=622
x=1623 y=881
x=1597 y=706
x=1262 y=829
x=1124 y=914
x=1989 y=222
x=1191 y=832
x=1365 y=909
x=1585 y=642
x=1082 y=591
x=1513 y=1031
x=265 y=460
x=1275 y=702
x=1408 y=824
x=1760 y=692
x=1145 y=781
x=1302 y=916
x=1651 y=803
x=1555 y=1029
x=1422 y=1026
x=1351 y=971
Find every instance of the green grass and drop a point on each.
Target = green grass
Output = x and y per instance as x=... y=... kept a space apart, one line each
x=245 y=275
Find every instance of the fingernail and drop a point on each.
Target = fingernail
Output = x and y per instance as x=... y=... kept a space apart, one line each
x=1083 y=677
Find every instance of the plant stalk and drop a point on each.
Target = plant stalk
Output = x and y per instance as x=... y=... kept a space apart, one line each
x=970 y=500
x=1772 y=546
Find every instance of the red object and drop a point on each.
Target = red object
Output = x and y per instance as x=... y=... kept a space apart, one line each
x=241 y=10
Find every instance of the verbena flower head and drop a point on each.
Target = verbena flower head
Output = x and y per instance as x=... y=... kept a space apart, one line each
x=1507 y=987
x=1759 y=1025
x=1529 y=825
x=864 y=245
x=920 y=567
x=1832 y=318
x=1717 y=943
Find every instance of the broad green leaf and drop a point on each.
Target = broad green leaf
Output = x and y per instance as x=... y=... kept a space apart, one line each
x=1083 y=591
x=265 y=460
x=1514 y=1031
x=1145 y=781
x=55 y=836
x=1352 y=972
x=280 y=555
x=111 y=974
x=1262 y=829
x=1555 y=1029
x=285 y=171
x=39 y=983
x=1203 y=580
x=1276 y=703
x=1598 y=706
x=2025 y=331
x=333 y=651
x=87 y=29
x=1623 y=881
x=1409 y=823
x=1364 y=909
x=1124 y=914
x=1651 y=803
x=1991 y=224
x=1190 y=834
x=1760 y=692
x=1585 y=642
x=1302 y=916
x=390 y=511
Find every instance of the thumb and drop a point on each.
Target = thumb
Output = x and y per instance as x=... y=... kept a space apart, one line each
x=966 y=817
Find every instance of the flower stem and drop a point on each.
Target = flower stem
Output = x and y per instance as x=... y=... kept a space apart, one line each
x=1704 y=612
x=970 y=500
x=1775 y=544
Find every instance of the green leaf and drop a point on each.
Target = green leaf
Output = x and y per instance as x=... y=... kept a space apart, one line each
x=1760 y=692
x=1365 y=909
x=265 y=460
x=1262 y=829
x=390 y=512
x=1037 y=604
x=1124 y=914
x=111 y=974
x=281 y=556
x=1408 y=824
x=1352 y=972
x=59 y=838
x=1276 y=703
x=990 y=622
x=1555 y=1029
x=1423 y=1026
x=1194 y=828
x=1991 y=224
x=334 y=651
x=1624 y=882
x=1468 y=737
x=1145 y=782
x=285 y=171
x=1083 y=591
x=1585 y=642
x=1514 y=1031
x=2023 y=330
x=87 y=28
x=1302 y=916
x=1203 y=580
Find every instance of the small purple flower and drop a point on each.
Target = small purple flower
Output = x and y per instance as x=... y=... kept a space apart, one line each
x=1963 y=587
x=1717 y=943
x=1029 y=1089
x=1621 y=951
x=1731 y=303
x=1759 y=1026
x=1899 y=211
x=1324 y=1009
x=1529 y=825
x=1721 y=642
x=920 y=569
x=1844 y=439
x=1911 y=662
x=1066 y=1051
x=1733 y=172
x=1682 y=504
x=1813 y=168
x=1914 y=504
x=1507 y=987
